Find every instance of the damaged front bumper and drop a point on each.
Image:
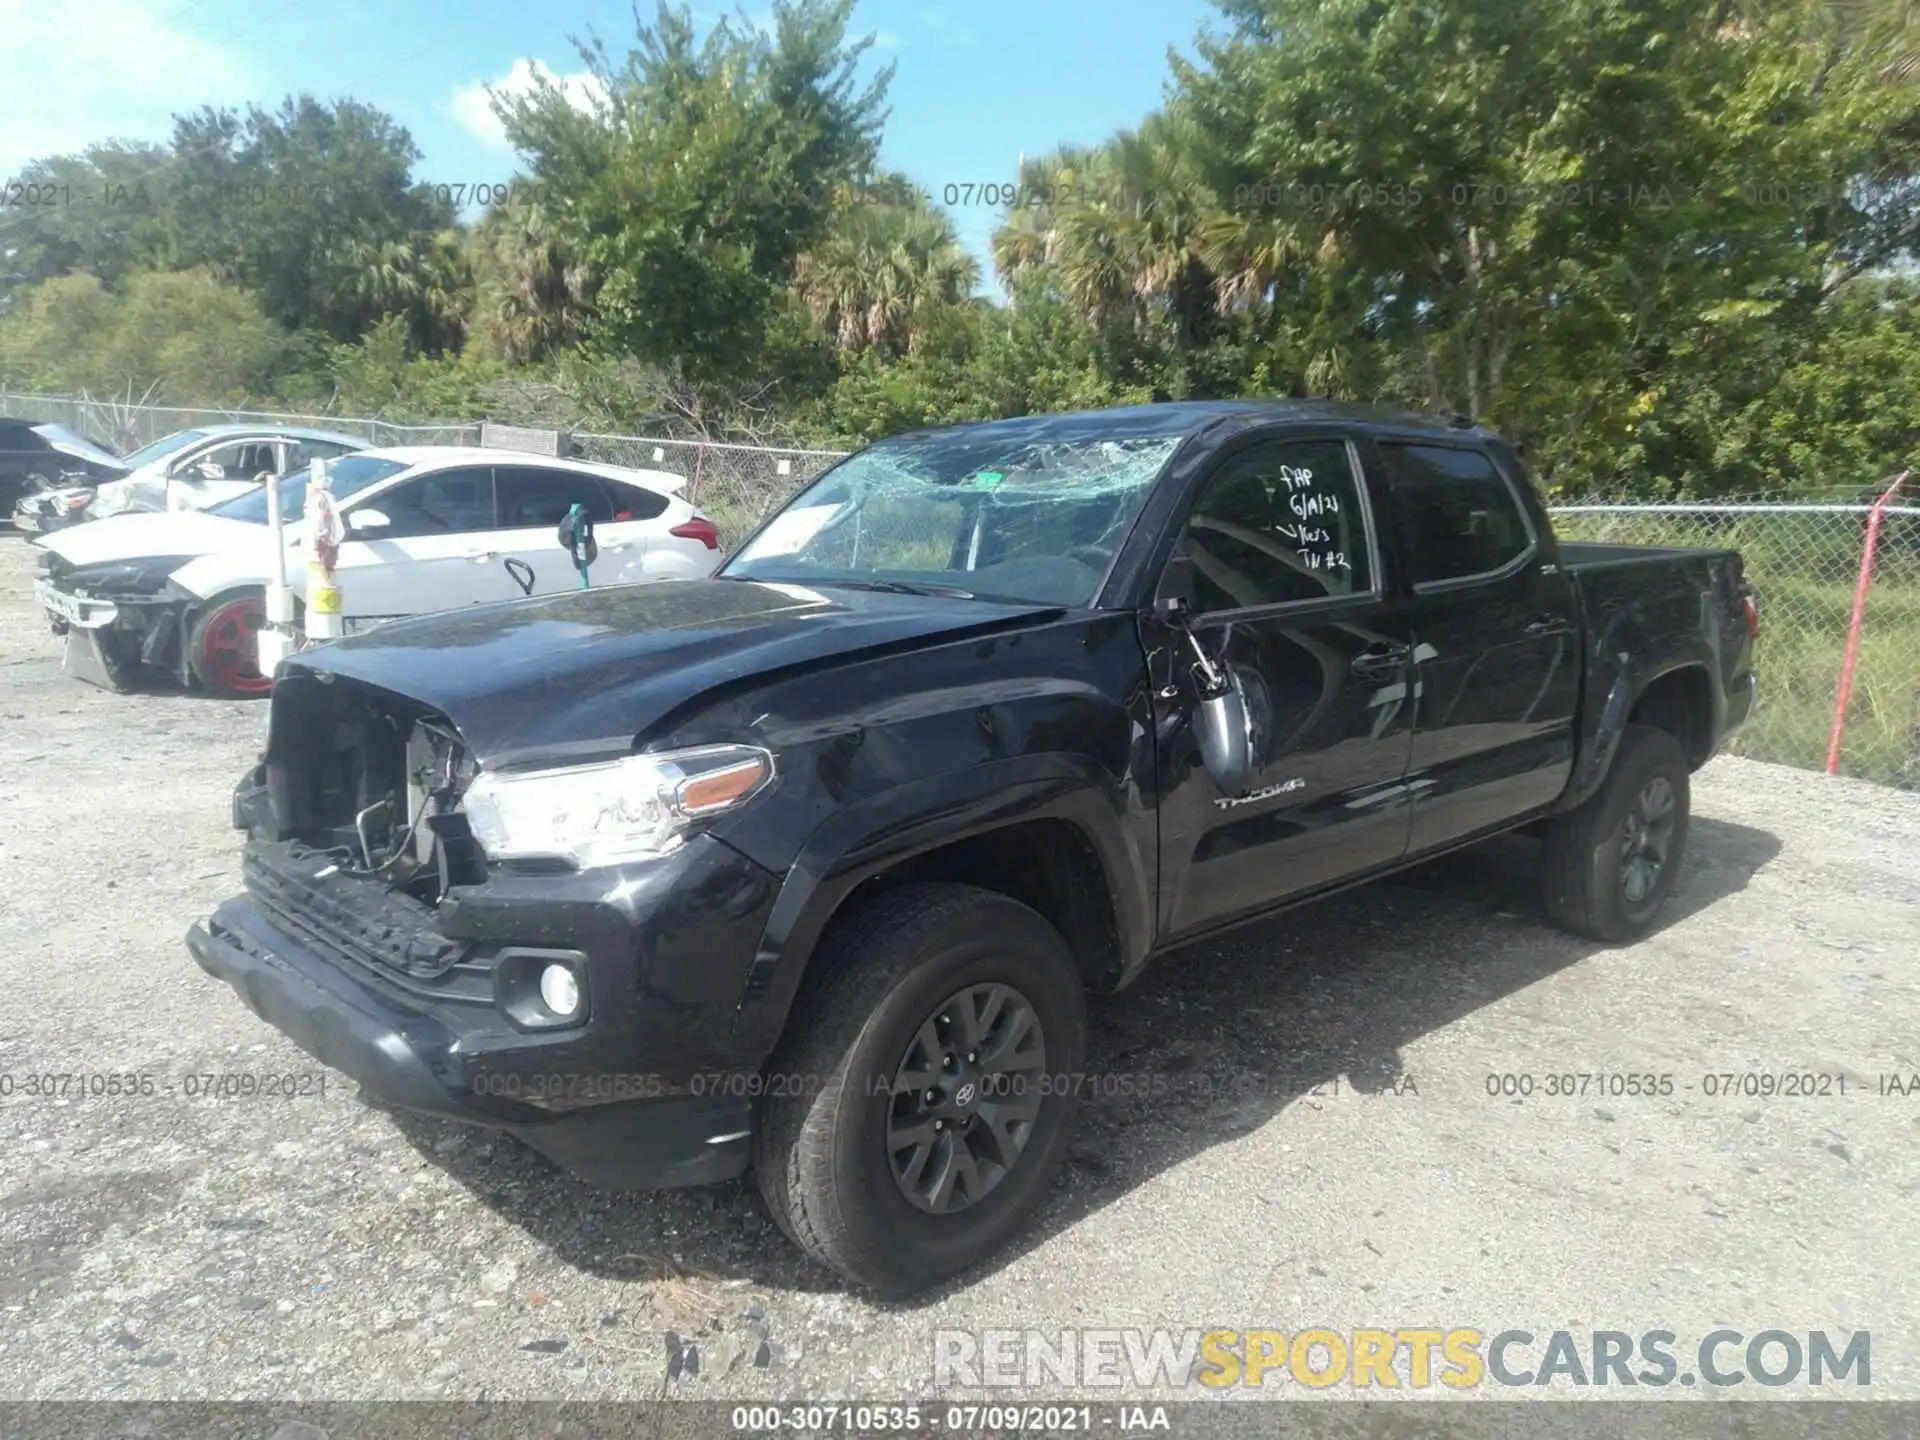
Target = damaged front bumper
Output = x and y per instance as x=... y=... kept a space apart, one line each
x=110 y=640
x=437 y=1062
x=422 y=1004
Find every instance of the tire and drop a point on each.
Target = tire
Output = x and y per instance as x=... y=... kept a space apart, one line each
x=222 y=646
x=889 y=976
x=1590 y=852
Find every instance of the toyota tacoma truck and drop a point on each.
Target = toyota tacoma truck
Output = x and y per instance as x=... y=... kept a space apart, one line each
x=808 y=867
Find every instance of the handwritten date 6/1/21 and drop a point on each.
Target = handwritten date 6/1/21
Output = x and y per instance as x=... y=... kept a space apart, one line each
x=59 y=1085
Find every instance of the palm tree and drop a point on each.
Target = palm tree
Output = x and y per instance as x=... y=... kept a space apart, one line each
x=887 y=266
x=534 y=295
x=1121 y=226
x=424 y=277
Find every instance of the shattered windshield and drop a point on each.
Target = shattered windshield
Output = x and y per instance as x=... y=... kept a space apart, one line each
x=987 y=516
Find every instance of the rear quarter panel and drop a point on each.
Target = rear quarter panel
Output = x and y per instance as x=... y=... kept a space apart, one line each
x=1644 y=616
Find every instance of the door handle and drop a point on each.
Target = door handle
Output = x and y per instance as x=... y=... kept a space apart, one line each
x=1380 y=661
x=481 y=557
x=1546 y=625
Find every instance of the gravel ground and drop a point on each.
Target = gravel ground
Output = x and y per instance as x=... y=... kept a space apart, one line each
x=1320 y=1147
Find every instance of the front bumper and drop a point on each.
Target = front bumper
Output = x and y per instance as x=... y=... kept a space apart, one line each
x=80 y=611
x=110 y=641
x=435 y=1060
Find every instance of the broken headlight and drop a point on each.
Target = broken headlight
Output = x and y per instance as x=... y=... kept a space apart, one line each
x=631 y=809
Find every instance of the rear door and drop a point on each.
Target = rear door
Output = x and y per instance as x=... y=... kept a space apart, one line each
x=1496 y=649
x=431 y=553
x=534 y=499
x=1287 y=593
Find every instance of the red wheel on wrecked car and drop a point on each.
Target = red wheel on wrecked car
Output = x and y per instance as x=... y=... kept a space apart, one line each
x=224 y=650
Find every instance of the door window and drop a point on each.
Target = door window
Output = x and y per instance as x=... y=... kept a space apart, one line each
x=532 y=498
x=305 y=452
x=1455 y=514
x=242 y=460
x=1278 y=523
x=449 y=502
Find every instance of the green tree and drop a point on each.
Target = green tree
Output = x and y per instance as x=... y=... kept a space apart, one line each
x=533 y=292
x=99 y=211
x=690 y=190
x=186 y=337
x=292 y=203
x=886 y=268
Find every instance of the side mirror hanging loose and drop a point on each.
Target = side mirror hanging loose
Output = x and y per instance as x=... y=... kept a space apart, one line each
x=1220 y=710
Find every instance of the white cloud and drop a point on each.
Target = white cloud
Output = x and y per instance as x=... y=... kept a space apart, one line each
x=471 y=106
x=89 y=70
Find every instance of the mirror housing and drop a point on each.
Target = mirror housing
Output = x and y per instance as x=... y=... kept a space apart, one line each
x=367 y=520
x=1226 y=740
x=1220 y=722
x=210 y=470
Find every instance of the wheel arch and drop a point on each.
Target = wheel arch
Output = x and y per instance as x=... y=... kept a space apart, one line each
x=1039 y=829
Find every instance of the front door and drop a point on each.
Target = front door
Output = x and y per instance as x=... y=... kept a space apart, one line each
x=431 y=554
x=1497 y=654
x=534 y=499
x=1281 y=558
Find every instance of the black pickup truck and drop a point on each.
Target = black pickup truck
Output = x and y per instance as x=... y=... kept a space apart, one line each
x=808 y=866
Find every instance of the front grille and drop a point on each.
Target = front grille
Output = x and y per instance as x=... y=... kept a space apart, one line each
x=358 y=918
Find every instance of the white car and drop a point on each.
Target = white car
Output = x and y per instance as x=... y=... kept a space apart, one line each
x=428 y=528
x=187 y=470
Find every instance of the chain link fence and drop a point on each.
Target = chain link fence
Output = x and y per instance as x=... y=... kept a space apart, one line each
x=736 y=485
x=125 y=428
x=1804 y=560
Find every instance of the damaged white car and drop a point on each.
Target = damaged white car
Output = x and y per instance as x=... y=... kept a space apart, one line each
x=187 y=470
x=427 y=528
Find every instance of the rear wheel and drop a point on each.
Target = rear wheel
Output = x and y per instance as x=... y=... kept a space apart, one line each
x=910 y=1129
x=1610 y=863
x=223 y=650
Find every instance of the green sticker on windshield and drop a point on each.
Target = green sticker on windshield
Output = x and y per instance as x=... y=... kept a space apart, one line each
x=987 y=480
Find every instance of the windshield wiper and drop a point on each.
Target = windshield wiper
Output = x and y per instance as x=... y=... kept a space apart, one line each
x=897 y=587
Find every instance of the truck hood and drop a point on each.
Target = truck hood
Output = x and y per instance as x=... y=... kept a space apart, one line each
x=570 y=678
x=142 y=537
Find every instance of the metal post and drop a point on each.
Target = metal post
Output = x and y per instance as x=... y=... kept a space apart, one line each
x=1837 y=738
x=323 y=545
x=277 y=641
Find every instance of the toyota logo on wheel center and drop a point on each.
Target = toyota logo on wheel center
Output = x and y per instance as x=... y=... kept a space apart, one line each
x=964 y=1096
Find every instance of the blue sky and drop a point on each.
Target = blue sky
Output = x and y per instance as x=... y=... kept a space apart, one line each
x=977 y=83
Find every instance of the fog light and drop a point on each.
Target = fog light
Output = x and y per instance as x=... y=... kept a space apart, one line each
x=560 y=989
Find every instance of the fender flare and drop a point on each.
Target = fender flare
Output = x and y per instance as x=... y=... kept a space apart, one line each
x=874 y=835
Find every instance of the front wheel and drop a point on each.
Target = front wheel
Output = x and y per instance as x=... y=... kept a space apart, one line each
x=924 y=1091
x=1610 y=863
x=223 y=648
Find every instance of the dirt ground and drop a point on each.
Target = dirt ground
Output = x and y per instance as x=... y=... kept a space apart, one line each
x=1310 y=1139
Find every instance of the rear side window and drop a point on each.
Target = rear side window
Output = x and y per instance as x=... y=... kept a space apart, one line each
x=634 y=502
x=1455 y=515
x=1276 y=523
x=536 y=499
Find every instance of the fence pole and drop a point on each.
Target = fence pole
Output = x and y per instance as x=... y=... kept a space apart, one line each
x=1837 y=738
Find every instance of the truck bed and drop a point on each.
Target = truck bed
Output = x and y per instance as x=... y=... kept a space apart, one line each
x=1590 y=555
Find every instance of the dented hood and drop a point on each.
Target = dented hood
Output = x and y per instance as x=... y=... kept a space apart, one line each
x=570 y=678
x=142 y=537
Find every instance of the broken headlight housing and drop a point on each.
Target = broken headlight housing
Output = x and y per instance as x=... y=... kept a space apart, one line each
x=634 y=808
